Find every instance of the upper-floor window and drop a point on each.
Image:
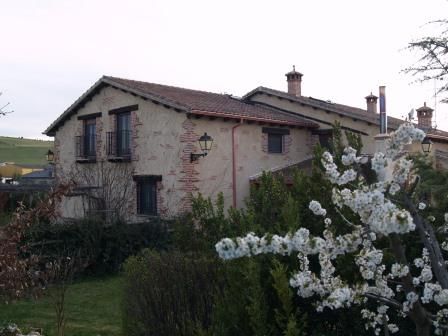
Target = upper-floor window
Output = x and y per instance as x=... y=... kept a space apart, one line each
x=123 y=134
x=275 y=139
x=119 y=140
x=325 y=138
x=86 y=143
x=275 y=143
x=89 y=137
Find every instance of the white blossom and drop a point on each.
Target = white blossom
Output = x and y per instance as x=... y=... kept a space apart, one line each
x=317 y=209
x=379 y=215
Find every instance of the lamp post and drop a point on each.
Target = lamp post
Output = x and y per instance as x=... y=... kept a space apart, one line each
x=426 y=145
x=205 y=143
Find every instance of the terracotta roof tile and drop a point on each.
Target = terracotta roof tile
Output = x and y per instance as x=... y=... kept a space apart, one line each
x=186 y=100
x=348 y=111
x=202 y=102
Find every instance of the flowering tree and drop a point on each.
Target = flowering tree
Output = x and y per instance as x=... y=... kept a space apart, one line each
x=386 y=211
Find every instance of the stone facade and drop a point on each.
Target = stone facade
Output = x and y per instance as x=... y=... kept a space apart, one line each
x=162 y=142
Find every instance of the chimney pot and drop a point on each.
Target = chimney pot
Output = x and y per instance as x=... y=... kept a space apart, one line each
x=424 y=117
x=371 y=101
x=294 y=79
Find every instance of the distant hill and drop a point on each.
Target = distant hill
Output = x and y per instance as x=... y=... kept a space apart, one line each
x=24 y=151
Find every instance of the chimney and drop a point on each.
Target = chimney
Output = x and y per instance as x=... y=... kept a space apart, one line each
x=424 y=117
x=371 y=103
x=294 y=80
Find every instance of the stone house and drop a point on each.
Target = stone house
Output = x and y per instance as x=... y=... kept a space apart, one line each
x=132 y=146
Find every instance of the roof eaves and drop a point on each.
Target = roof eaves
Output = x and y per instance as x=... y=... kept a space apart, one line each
x=105 y=80
x=150 y=96
x=266 y=120
x=71 y=109
x=284 y=95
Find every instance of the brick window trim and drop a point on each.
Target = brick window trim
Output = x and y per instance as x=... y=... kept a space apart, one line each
x=155 y=180
x=269 y=133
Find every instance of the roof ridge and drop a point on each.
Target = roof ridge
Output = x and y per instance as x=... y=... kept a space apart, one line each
x=335 y=107
x=166 y=86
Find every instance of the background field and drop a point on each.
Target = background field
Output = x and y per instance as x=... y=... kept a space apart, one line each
x=24 y=151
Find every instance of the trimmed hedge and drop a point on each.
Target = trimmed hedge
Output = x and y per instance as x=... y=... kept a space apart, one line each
x=102 y=248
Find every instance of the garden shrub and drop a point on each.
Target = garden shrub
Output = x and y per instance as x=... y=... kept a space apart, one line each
x=169 y=294
x=102 y=248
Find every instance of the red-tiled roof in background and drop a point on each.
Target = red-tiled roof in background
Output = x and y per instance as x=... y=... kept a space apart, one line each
x=340 y=109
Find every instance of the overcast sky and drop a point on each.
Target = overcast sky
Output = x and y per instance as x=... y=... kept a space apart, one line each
x=54 y=50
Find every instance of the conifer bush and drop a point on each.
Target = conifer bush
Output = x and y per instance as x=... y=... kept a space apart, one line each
x=169 y=294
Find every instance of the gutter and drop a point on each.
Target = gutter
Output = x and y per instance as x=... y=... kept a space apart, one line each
x=234 y=127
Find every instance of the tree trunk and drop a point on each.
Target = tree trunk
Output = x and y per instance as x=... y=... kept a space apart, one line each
x=429 y=240
x=418 y=313
x=423 y=329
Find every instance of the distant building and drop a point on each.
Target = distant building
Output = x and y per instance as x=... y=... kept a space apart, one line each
x=40 y=177
x=11 y=169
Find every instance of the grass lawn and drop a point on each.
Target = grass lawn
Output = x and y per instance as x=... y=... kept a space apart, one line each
x=92 y=309
x=24 y=151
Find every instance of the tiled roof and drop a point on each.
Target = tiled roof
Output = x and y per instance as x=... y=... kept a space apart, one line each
x=222 y=104
x=190 y=101
x=46 y=173
x=345 y=110
x=437 y=134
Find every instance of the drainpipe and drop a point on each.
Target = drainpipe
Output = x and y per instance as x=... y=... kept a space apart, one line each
x=234 y=127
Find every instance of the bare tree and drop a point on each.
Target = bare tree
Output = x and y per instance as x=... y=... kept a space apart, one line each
x=20 y=269
x=106 y=188
x=432 y=63
x=4 y=108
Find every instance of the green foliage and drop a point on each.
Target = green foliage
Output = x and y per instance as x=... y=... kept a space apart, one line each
x=288 y=314
x=93 y=308
x=102 y=248
x=432 y=187
x=169 y=294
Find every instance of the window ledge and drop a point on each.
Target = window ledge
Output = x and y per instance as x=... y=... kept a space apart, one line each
x=119 y=159
x=147 y=216
x=86 y=160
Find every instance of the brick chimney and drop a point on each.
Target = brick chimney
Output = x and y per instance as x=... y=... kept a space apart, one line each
x=424 y=116
x=294 y=80
x=371 y=103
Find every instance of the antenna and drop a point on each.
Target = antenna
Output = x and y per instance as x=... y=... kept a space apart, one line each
x=435 y=101
x=411 y=115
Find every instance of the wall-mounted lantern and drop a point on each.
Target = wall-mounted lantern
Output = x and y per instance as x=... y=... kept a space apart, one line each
x=205 y=143
x=50 y=156
x=426 y=145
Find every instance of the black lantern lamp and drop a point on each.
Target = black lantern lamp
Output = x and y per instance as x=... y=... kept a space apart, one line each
x=426 y=145
x=205 y=143
x=50 y=156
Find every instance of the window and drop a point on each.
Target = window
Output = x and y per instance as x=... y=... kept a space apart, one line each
x=123 y=134
x=275 y=139
x=147 y=194
x=89 y=138
x=325 y=138
x=275 y=143
x=118 y=143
